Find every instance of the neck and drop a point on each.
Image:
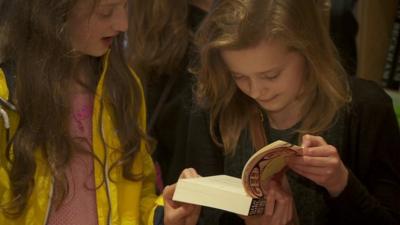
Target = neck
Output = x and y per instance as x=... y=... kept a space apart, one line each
x=81 y=63
x=84 y=71
x=286 y=118
x=203 y=4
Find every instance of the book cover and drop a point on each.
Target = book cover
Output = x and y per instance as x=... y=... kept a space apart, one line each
x=264 y=164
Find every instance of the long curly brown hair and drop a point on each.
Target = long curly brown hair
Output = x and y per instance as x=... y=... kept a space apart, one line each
x=159 y=35
x=44 y=65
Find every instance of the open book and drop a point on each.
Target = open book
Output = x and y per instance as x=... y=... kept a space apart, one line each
x=241 y=196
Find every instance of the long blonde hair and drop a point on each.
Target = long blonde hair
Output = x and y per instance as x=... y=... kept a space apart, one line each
x=239 y=24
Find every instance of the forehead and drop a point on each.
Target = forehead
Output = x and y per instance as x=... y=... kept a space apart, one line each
x=110 y=2
x=263 y=56
x=91 y=3
x=85 y=8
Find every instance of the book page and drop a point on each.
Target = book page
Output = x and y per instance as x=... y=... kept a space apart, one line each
x=221 y=192
x=223 y=182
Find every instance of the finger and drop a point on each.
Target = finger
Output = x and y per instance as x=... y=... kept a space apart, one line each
x=168 y=193
x=194 y=216
x=281 y=207
x=309 y=170
x=324 y=150
x=180 y=212
x=312 y=141
x=272 y=192
x=189 y=173
x=278 y=215
x=316 y=178
x=270 y=203
x=289 y=212
x=282 y=211
x=282 y=215
x=312 y=161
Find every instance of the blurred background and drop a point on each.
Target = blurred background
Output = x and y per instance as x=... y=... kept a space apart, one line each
x=378 y=45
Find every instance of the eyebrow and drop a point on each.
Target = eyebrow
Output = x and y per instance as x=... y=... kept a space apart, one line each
x=275 y=69
x=111 y=2
x=268 y=71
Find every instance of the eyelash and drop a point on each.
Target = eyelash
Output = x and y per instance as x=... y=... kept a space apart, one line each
x=106 y=13
x=273 y=77
x=237 y=77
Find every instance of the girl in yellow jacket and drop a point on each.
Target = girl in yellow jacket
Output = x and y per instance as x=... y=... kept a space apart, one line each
x=74 y=149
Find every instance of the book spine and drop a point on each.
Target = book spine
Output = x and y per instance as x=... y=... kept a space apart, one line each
x=257 y=207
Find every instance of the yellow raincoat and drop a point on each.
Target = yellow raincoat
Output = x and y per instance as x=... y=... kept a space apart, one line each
x=132 y=203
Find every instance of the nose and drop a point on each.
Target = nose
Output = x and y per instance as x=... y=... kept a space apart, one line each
x=120 y=22
x=254 y=89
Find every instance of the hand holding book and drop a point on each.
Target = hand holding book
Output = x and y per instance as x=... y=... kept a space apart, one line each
x=278 y=208
x=241 y=196
x=321 y=163
x=177 y=213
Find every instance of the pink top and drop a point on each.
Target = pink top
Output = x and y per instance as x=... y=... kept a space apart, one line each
x=79 y=206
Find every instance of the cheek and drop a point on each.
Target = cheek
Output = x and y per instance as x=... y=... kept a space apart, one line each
x=242 y=85
x=293 y=84
x=297 y=85
x=77 y=31
x=85 y=27
x=96 y=27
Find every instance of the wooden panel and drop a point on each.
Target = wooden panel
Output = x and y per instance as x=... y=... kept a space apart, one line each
x=375 y=20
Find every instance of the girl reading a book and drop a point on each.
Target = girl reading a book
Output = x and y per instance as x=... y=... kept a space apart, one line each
x=74 y=149
x=273 y=61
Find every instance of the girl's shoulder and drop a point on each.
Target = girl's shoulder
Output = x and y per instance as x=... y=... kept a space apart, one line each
x=370 y=107
x=368 y=93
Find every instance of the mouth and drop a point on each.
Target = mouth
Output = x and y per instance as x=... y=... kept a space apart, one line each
x=108 y=40
x=268 y=99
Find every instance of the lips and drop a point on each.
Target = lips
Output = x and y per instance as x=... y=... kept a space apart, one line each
x=268 y=99
x=107 y=41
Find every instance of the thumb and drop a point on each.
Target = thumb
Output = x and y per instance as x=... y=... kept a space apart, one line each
x=305 y=141
x=168 y=194
x=179 y=214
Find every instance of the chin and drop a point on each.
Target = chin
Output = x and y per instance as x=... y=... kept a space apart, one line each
x=97 y=52
x=271 y=108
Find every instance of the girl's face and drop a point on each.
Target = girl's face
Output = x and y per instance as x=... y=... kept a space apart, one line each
x=92 y=30
x=269 y=73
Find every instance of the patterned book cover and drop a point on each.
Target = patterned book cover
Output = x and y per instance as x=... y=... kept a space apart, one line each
x=266 y=163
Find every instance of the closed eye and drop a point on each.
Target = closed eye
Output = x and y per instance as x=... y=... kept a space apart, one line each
x=272 y=76
x=105 y=12
x=237 y=76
